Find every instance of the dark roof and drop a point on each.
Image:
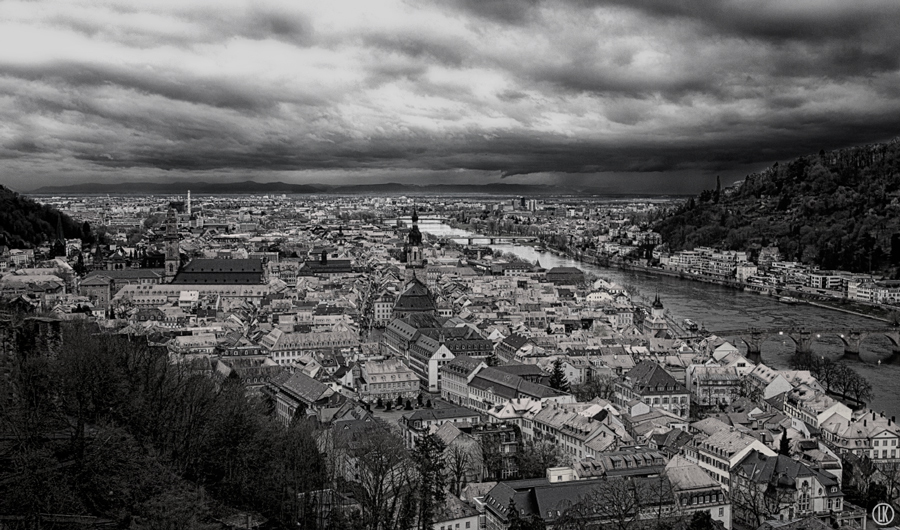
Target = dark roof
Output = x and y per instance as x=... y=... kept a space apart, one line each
x=331 y=266
x=462 y=365
x=565 y=270
x=539 y=497
x=416 y=298
x=647 y=376
x=780 y=470
x=452 y=508
x=515 y=341
x=128 y=274
x=304 y=387
x=509 y=386
x=440 y=414
x=522 y=370
x=220 y=271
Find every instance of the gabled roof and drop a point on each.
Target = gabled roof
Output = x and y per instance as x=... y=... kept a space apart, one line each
x=462 y=365
x=305 y=388
x=648 y=376
x=416 y=298
x=781 y=470
x=522 y=370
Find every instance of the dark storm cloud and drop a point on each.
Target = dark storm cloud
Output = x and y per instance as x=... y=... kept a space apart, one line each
x=807 y=20
x=421 y=46
x=143 y=26
x=217 y=92
x=505 y=11
x=555 y=87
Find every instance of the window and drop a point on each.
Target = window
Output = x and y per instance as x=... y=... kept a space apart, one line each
x=803 y=505
x=721 y=512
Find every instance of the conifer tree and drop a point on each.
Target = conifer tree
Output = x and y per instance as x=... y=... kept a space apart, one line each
x=558 y=377
x=430 y=466
x=784 y=445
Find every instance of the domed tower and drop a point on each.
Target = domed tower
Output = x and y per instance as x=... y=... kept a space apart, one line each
x=172 y=239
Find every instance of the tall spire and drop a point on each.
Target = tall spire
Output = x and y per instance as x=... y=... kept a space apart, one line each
x=60 y=236
x=415 y=215
x=657 y=304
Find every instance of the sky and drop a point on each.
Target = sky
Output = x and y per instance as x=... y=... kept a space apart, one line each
x=619 y=95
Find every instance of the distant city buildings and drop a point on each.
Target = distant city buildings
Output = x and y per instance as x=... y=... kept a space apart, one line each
x=345 y=312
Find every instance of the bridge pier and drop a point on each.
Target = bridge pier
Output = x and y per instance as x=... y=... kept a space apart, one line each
x=802 y=341
x=894 y=337
x=851 y=344
x=754 y=350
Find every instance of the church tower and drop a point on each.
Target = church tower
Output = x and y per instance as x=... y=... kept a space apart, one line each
x=414 y=243
x=656 y=324
x=172 y=239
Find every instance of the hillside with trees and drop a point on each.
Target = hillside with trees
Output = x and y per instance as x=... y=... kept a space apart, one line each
x=838 y=210
x=25 y=223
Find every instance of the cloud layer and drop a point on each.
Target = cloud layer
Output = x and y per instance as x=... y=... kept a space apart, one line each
x=591 y=90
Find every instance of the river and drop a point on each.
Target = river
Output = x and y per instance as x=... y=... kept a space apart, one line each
x=718 y=307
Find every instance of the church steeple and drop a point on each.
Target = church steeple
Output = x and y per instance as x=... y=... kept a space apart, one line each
x=657 y=304
x=173 y=252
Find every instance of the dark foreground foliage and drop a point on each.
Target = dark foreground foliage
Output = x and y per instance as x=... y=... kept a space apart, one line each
x=100 y=425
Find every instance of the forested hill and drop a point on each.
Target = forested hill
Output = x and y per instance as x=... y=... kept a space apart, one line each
x=838 y=210
x=25 y=223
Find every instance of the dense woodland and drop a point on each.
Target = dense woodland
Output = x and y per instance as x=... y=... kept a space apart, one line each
x=837 y=210
x=107 y=427
x=25 y=223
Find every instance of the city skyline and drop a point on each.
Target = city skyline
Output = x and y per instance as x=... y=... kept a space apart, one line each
x=624 y=96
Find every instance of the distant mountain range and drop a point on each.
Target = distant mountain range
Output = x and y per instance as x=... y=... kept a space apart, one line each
x=209 y=188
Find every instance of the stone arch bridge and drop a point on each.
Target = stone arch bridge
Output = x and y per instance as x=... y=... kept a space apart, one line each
x=804 y=337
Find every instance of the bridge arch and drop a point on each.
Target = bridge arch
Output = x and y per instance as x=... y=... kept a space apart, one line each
x=831 y=343
x=760 y=347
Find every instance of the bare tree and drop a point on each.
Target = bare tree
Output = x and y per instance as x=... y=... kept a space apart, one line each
x=754 y=502
x=463 y=464
x=612 y=501
x=377 y=470
x=859 y=388
x=603 y=386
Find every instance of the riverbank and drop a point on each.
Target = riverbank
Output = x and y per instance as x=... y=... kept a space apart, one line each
x=874 y=312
